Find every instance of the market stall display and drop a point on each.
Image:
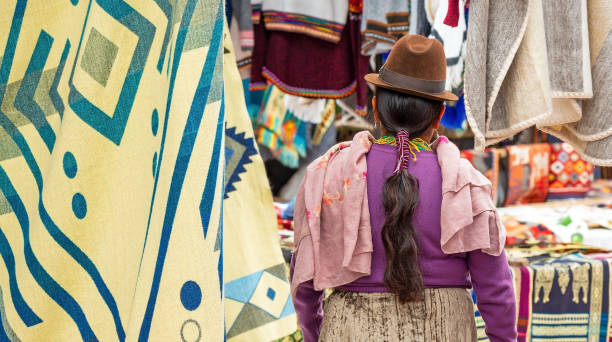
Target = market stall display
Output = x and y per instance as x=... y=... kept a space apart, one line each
x=555 y=209
x=563 y=298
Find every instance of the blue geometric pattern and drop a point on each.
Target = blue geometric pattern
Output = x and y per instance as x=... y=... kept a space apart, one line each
x=238 y=153
x=244 y=290
x=113 y=126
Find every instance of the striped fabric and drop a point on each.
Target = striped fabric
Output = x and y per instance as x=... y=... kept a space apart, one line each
x=311 y=26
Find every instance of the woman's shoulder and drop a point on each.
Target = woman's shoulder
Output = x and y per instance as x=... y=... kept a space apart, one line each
x=344 y=151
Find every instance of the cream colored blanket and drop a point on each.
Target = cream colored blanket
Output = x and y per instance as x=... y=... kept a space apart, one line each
x=543 y=63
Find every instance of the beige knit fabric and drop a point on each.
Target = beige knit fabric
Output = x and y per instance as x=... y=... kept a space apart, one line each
x=445 y=314
x=544 y=63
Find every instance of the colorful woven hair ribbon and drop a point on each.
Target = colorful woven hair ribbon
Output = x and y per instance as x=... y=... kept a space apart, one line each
x=404 y=150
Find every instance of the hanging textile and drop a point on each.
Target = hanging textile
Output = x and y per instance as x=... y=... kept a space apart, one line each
x=323 y=19
x=555 y=86
x=304 y=108
x=242 y=12
x=305 y=66
x=279 y=130
x=591 y=135
x=383 y=23
x=507 y=85
x=452 y=38
x=258 y=304
x=527 y=173
x=570 y=175
x=110 y=127
x=454 y=114
x=419 y=24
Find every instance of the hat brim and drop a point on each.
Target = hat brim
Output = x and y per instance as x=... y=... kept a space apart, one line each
x=374 y=79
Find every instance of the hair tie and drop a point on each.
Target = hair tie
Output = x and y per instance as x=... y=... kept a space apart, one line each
x=404 y=150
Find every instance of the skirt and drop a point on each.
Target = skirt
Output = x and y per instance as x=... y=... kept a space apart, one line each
x=444 y=314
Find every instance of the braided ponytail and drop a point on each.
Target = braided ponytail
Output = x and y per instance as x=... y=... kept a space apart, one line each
x=407 y=117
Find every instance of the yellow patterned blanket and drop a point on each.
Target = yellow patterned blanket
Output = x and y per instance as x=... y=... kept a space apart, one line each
x=111 y=170
x=258 y=303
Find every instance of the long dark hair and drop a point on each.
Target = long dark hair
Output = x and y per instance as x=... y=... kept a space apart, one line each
x=401 y=192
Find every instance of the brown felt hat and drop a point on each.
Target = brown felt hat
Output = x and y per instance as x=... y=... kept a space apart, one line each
x=416 y=65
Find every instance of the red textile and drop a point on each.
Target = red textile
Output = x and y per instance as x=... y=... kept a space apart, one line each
x=311 y=67
x=452 y=16
x=570 y=175
x=528 y=173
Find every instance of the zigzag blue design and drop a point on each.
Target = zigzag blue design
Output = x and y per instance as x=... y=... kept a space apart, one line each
x=219 y=244
x=250 y=150
x=23 y=309
x=24 y=102
x=47 y=283
x=42 y=277
x=53 y=94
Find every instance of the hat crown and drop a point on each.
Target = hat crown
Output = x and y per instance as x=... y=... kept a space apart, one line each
x=418 y=57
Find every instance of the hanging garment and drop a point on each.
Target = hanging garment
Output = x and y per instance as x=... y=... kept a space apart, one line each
x=254 y=263
x=454 y=114
x=419 y=24
x=305 y=66
x=323 y=19
x=279 y=130
x=570 y=175
x=304 y=108
x=383 y=23
x=242 y=12
x=452 y=38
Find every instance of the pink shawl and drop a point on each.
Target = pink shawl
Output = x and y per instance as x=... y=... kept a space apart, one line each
x=333 y=237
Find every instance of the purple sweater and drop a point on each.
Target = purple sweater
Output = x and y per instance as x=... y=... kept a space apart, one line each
x=489 y=276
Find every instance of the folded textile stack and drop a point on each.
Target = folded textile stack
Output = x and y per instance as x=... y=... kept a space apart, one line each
x=513 y=81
